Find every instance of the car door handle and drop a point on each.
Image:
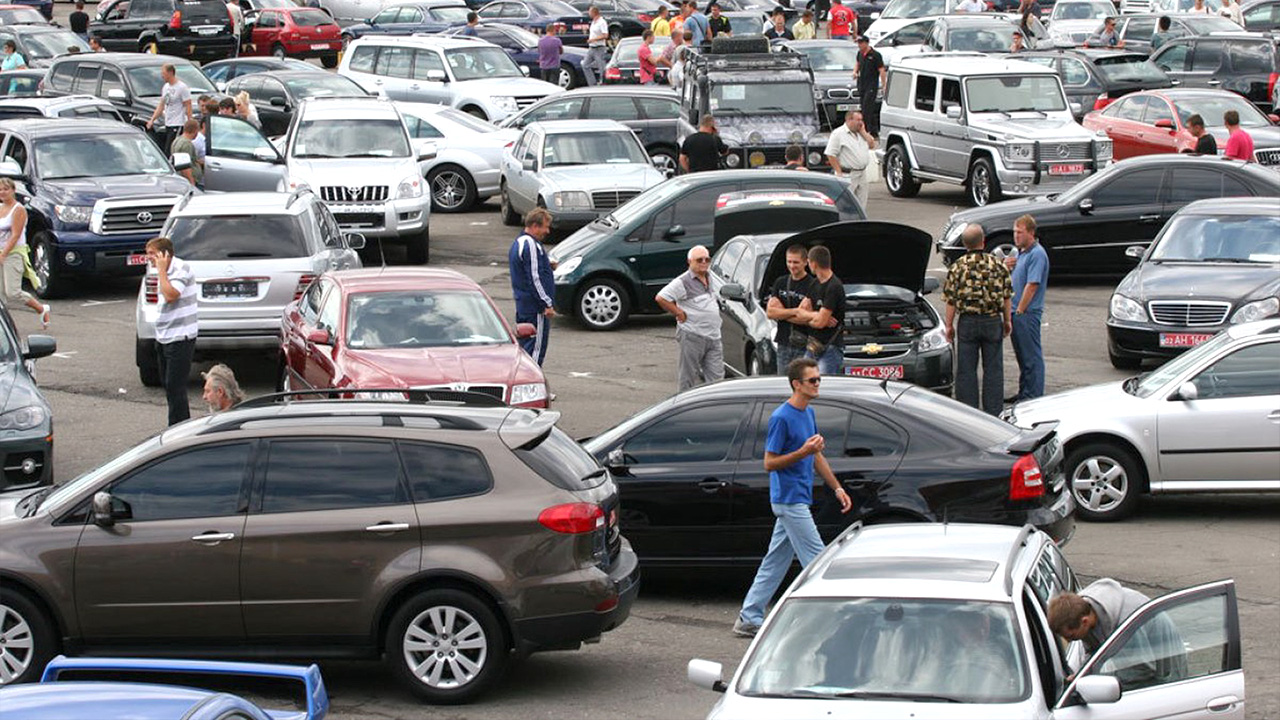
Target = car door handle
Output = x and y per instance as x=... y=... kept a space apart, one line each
x=1148 y=218
x=413 y=86
x=711 y=485
x=1222 y=704
x=1215 y=82
x=213 y=537
x=1274 y=416
x=384 y=528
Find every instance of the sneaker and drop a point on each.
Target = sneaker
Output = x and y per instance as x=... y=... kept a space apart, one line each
x=742 y=628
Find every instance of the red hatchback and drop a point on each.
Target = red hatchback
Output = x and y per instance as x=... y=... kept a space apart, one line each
x=406 y=327
x=1155 y=121
x=295 y=32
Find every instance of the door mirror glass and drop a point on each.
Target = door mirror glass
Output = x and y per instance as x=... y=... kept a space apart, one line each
x=1134 y=251
x=673 y=232
x=525 y=330
x=102 y=516
x=1086 y=206
x=10 y=168
x=733 y=291
x=319 y=336
x=1098 y=689
x=278 y=101
x=953 y=112
x=355 y=241
x=181 y=161
x=1187 y=391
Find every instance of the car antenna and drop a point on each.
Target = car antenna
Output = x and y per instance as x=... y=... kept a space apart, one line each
x=382 y=256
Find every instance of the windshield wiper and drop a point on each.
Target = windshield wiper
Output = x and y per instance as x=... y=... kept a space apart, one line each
x=872 y=695
x=238 y=255
x=369 y=155
x=1226 y=260
x=608 y=220
x=991 y=110
x=562 y=164
x=784 y=111
x=313 y=156
x=1014 y=110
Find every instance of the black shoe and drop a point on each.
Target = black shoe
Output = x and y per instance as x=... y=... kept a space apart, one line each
x=1011 y=400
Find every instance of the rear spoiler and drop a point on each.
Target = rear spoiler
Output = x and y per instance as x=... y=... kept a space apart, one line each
x=521 y=429
x=317 y=696
x=1031 y=440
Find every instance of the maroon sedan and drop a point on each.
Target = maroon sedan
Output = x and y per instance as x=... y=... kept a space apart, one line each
x=406 y=327
x=1155 y=121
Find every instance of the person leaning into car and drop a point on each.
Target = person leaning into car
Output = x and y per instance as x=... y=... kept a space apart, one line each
x=532 y=282
x=176 y=324
x=792 y=452
x=692 y=298
x=1094 y=614
x=978 y=295
x=786 y=296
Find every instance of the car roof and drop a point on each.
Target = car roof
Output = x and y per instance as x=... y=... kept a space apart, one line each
x=564 y=127
x=427 y=4
x=1087 y=53
x=290 y=74
x=630 y=90
x=47 y=127
x=401 y=278
x=974 y=64
x=124 y=59
x=274 y=203
x=339 y=107
x=861 y=389
x=1232 y=206
x=444 y=42
x=1189 y=92
x=974 y=18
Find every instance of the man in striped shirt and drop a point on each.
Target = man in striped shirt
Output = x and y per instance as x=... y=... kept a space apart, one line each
x=175 y=325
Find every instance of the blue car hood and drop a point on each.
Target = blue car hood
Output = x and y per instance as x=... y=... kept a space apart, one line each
x=88 y=190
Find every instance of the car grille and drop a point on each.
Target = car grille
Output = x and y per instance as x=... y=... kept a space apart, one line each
x=1188 y=314
x=882 y=352
x=609 y=199
x=840 y=94
x=360 y=220
x=1052 y=152
x=1270 y=156
x=497 y=391
x=135 y=217
x=524 y=102
x=354 y=193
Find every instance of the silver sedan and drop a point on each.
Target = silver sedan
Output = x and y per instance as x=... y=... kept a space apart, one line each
x=1206 y=421
x=468 y=162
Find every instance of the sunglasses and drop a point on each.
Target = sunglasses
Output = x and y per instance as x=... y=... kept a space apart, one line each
x=812 y=380
x=702 y=260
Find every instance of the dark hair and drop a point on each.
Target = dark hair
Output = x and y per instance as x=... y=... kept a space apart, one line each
x=794 y=152
x=472 y=17
x=646 y=34
x=226 y=103
x=820 y=257
x=1231 y=117
x=1195 y=120
x=1066 y=611
x=798 y=249
x=796 y=368
x=10 y=45
x=1164 y=22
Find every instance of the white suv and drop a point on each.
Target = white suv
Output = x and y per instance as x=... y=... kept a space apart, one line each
x=466 y=73
x=354 y=152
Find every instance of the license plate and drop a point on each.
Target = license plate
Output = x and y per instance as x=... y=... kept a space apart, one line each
x=137 y=259
x=844 y=106
x=319 y=46
x=207 y=31
x=244 y=288
x=1067 y=169
x=879 y=372
x=581 y=27
x=1182 y=340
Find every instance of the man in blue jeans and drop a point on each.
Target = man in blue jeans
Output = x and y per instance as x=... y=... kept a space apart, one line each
x=1030 y=276
x=792 y=450
x=826 y=321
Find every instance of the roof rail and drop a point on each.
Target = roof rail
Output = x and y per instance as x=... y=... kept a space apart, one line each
x=1018 y=542
x=415 y=396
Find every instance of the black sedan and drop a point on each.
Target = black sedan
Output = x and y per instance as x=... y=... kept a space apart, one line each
x=222 y=72
x=690 y=470
x=536 y=15
x=623 y=16
x=276 y=95
x=26 y=421
x=1093 y=78
x=1216 y=264
x=1088 y=229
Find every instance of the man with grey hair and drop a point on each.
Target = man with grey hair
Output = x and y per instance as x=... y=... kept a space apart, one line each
x=221 y=391
x=692 y=299
x=978 y=292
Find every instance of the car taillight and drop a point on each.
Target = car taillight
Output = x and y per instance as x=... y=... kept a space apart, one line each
x=572 y=518
x=612 y=73
x=303 y=282
x=1271 y=87
x=644 y=17
x=1102 y=102
x=151 y=289
x=1026 y=481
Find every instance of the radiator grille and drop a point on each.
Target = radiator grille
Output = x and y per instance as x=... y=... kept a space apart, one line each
x=1189 y=314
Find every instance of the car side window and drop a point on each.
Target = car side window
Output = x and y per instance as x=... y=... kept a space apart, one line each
x=331 y=474
x=444 y=472
x=145 y=9
x=330 y=232
x=86 y=80
x=61 y=76
x=309 y=308
x=1174 y=58
x=1185 y=640
x=744 y=273
x=17 y=150
x=659 y=108
x=926 y=91
x=899 y=89
x=1140 y=187
x=559 y=110
x=110 y=81
x=1130 y=108
x=268 y=89
x=425 y=61
x=617 y=108
x=1258 y=18
x=419 y=128
x=234 y=138
x=268 y=20
x=1139 y=29
x=1249 y=58
x=491 y=11
x=1207 y=57
x=726 y=260
x=1247 y=372
x=396 y=62
x=701 y=434
x=386 y=17
x=409 y=15
x=362 y=59
x=870 y=437
x=1157 y=109
x=164 y=489
x=695 y=211
x=1041 y=644
x=950 y=94
x=1074 y=72
x=330 y=311
x=1190 y=184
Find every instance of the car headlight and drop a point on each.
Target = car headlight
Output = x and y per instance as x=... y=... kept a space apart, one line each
x=1019 y=151
x=1123 y=308
x=1102 y=149
x=733 y=159
x=951 y=234
x=410 y=187
x=387 y=396
x=816 y=157
x=935 y=339
x=1256 y=311
x=532 y=392
x=568 y=266
x=23 y=418
x=505 y=103
x=571 y=199
x=74 y=214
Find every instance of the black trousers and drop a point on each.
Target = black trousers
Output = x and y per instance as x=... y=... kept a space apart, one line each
x=870 y=110
x=551 y=75
x=980 y=335
x=175 y=370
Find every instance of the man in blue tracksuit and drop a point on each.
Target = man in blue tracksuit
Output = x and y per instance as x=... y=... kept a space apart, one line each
x=532 y=282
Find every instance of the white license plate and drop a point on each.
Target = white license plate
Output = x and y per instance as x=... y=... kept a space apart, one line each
x=353 y=209
x=844 y=106
x=319 y=46
x=1067 y=169
x=207 y=31
x=879 y=372
x=1182 y=340
x=137 y=259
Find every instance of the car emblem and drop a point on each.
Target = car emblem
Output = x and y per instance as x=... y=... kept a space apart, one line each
x=355 y=191
x=872 y=348
x=231 y=270
x=1063 y=151
x=458 y=387
x=145 y=217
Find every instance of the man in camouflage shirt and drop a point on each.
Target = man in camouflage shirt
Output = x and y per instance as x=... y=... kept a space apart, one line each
x=978 y=290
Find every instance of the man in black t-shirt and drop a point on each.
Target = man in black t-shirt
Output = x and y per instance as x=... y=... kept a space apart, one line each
x=1205 y=143
x=871 y=75
x=79 y=21
x=719 y=24
x=826 y=319
x=789 y=292
x=702 y=150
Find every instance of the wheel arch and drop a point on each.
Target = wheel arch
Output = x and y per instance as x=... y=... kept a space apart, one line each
x=450 y=580
x=982 y=151
x=32 y=592
x=1120 y=441
x=896 y=138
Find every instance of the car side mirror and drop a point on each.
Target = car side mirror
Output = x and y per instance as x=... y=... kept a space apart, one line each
x=931 y=284
x=525 y=70
x=525 y=330
x=953 y=112
x=707 y=675
x=733 y=291
x=117 y=95
x=355 y=240
x=437 y=76
x=278 y=101
x=673 y=232
x=427 y=150
x=1098 y=689
x=10 y=168
x=1186 y=392
x=320 y=336
x=1076 y=108
x=102 y=514
x=894 y=41
x=1134 y=251
x=221 y=85
x=1165 y=124
x=617 y=458
x=1086 y=206
x=181 y=161
x=39 y=346
x=528 y=164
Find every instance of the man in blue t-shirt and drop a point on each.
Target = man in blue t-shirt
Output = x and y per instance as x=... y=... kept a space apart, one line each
x=1030 y=276
x=792 y=451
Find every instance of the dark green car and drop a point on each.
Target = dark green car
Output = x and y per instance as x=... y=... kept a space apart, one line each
x=616 y=265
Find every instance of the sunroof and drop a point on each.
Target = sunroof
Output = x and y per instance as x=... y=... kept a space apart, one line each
x=912 y=568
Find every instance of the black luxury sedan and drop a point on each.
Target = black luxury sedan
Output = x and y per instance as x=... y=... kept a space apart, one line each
x=1088 y=229
x=690 y=469
x=1216 y=264
x=26 y=421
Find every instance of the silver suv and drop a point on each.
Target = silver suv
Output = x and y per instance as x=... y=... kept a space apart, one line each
x=998 y=127
x=252 y=254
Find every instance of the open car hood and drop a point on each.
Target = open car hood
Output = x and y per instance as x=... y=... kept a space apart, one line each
x=863 y=252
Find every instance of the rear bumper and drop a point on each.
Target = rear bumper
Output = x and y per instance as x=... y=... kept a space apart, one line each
x=318 y=48
x=196 y=47
x=570 y=630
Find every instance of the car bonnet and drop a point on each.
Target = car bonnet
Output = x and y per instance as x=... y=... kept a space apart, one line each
x=864 y=252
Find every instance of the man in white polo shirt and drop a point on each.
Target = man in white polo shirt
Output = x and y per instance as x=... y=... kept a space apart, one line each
x=692 y=299
x=175 y=325
x=849 y=152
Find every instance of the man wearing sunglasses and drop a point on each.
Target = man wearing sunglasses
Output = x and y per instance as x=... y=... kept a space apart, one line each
x=792 y=451
x=691 y=297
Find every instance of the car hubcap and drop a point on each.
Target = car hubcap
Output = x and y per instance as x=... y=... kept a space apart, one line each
x=1100 y=483
x=1004 y=250
x=448 y=189
x=445 y=647
x=41 y=264
x=981 y=188
x=664 y=163
x=601 y=305
x=16 y=645
x=565 y=79
x=895 y=171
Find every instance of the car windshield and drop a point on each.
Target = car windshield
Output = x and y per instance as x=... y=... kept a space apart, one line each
x=422 y=318
x=1224 y=238
x=988 y=37
x=592 y=148
x=1015 y=93
x=474 y=63
x=1130 y=68
x=628 y=53
x=1083 y=11
x=147 y=82
x=470 y=122
x=351 y=138
x=311 y=18
x=238 y=237
x=1150 y=383
x=44 y=45
x=888 y=649
x=452 y=14
x=21 y=16
x=1205 y=24
x=831 y=57
x=1213 y=107
x=61 y=158
x=552 y=7
x=762 y=98
x=902 y=9
x=323 y=85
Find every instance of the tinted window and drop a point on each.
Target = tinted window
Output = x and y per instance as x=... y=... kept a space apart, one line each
x=869 y=437
x=1248 y=372
x=238 y=237
x=309 y=308
x=1251 y=58
x=926 y=88
x=441 y=472
x=1174 y=58
x=696 y=212
x=1207 y=57
x=61 y=75
x=204 y=482
x=362 y=59
x=1191 y=184
x=702 y=434
x=330 y=474
x=562 y=462
x=1140 y=29
x=1074 y=72
x=727 y=259
x=1135 y=188
x=86 y=80
x=110 y=81
x=612 y=108
x=950 y=93
x=847 y=433
x=659 y=108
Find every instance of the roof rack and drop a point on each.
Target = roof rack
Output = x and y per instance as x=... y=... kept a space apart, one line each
x=414 y=396
x=1018 y=542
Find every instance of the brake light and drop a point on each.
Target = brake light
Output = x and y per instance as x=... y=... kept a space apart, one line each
x=175 y=22
x=1102 y=102
x=612 y=73
x=1026 y=481
x=644 y=17
x=151 y=289
x=572 y=518
x=1271 y=86
x=303 y=282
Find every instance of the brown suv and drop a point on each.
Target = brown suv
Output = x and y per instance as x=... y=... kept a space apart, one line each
x=441 y=535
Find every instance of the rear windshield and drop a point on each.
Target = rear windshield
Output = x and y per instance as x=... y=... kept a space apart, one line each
x=957 y=420
x=238 y=237
x=1130 y=68
x=562 y=462
x=311 y=18
x=204 y=12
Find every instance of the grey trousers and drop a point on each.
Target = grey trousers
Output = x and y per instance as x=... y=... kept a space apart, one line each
x=701 y=359
x=980 y=334
x=593 y=66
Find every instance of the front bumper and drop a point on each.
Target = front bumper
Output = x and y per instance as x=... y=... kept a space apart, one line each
x=394 y=218
x=82 y=252
x=572 y=219
x=27 y=457
x=569 y=630
x=1142 y=340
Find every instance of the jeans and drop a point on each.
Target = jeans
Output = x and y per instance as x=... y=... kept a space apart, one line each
x=701 y=360
x=175 y=370
x=794 y=535
x=536 y=346
x=1026 y=348
x=786 y=353
x=980 y=335
x=830 y=360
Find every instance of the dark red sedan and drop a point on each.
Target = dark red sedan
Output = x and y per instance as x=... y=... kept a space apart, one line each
x=1155 y=121
x=406 y=327
x=295 y=32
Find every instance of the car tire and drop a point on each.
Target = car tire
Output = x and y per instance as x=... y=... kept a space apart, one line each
x=452 y=189
x=670 y=163
x=984 y=184
x=329 y=61
x=1123 y=362
x=509 y=215
x=602 y=304
x=148 y=363
x=1105 y=480
x=346 y=41
x=755 y=365
x=567 y=80
x=897 y=173
x=278 y=52
x=42 y=262
x=442 y=618
x=615 y=35
x=23 y=623
x=418 y=247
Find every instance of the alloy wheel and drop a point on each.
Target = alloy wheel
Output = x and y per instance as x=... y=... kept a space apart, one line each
x=445 y=647
x=1100 y=483
x=17 y=645
x=448 y=189
x=981 y=183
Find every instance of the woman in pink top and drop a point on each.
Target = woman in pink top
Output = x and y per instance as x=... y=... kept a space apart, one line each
x=1239 y=143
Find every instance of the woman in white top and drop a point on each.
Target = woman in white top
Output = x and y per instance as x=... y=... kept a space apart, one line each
x=13 y=252
x=1199 y=8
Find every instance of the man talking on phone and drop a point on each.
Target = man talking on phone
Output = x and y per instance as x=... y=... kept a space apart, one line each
x=175 y=325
